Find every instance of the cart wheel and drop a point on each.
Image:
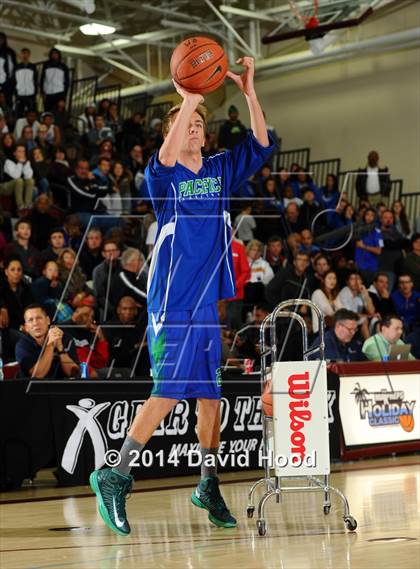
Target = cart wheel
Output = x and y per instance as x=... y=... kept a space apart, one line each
x=327 y=510
x=351 y=523
x=262 y=530
x=250 y=511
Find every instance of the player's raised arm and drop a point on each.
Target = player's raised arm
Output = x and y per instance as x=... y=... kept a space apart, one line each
x=245 y=82
x=169 y=151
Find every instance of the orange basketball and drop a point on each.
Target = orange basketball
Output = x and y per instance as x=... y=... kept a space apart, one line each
x=267 y=399
x=199 y=64
x=407 y=422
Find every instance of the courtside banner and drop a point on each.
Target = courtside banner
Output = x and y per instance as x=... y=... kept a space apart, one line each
x=300 y=415
x=380 y=408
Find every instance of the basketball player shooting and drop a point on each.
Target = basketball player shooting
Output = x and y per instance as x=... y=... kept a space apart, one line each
x=191 y=269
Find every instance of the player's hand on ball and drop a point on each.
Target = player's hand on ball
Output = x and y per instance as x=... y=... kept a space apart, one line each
x=245 y=81
x=195 y=97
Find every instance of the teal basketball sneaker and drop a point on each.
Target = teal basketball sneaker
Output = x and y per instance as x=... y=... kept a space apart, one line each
x=207 y=495
x=111 y=489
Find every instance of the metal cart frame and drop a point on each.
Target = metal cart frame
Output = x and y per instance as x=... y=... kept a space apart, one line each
x=273 y=484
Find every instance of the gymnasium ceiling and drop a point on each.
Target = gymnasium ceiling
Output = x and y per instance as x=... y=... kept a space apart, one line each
x=137 y=54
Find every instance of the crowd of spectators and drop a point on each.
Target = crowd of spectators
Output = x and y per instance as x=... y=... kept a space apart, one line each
x=77 y=230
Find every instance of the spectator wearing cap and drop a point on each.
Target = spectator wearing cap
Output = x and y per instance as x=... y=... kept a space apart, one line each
x=55 y=80
x=341 y=343
x=378 y=347
x=56 y=243
x=45 y=351
x=232 y=131
x=411 y=264
x=26 y=83
x=407 y=302
x=86 y=121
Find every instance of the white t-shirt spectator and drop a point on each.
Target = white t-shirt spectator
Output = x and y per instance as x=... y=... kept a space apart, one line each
x=351 y=302
x=328 y=307
x=261 y=272
x=372 y=182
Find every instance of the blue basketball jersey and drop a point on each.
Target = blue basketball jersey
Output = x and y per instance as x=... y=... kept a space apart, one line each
x=191 y=265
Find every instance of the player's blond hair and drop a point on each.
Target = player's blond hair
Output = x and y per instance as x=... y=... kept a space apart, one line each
x=169 y=117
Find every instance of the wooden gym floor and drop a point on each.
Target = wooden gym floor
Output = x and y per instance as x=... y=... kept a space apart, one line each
x=168 y=532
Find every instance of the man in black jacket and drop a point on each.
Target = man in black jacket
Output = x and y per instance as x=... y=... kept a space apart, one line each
x=55 y=80
x=290 y=282
x=132 y=279
x=84 y=193
x=7 y=67
x=373 y=183
x=26 y=81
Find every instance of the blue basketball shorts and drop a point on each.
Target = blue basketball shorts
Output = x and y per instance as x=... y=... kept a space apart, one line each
x=185 y=353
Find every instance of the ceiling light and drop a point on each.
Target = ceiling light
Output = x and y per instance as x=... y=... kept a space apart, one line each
x=95 y=29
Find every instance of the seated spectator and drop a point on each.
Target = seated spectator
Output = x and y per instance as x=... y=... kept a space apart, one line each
x=125 y=335
x=28 y=139
x=411 y=264
x=289 y=197
x=330 y=193
x=271 y=195
x=341 y=345
x=131 y=280
x=53 y=132
x=400 y=218
x=369 y=247
x=86 y=121
x=293 y=242
x=391 y=257
x=309 y=209
x=289 y=282
x=98 y=134
x=103 y=107
x=407 y=302
x=43 y=217
x=373 y=183
x=380 y=294
x=122 y=179
x=45 y=351
x=320 y=266
x=378 y=347
x=30 y=119
x=18 y=179
x=40 y=169
x=112 y=200
x=103 y=274
x=47 y=289
x=84 y=193
x=327 y=300
x=292 y=223
x=4 y=129
x=62 y=119
x=300 y=181
x=356 y=298
x=274 y=253
x=43 y=142
x=58 y=172
x=261 y=272
x=70 y=274
x=234 y=306
x=307 y=243
x=248 y=342
x=135 y=162
x=22 y=249
x=72 y=232
x=245 y=223
x=115 y=123
x=55 y=245
x=134 y=131
x=7 y=146
x=90 y=254
x=91 y=345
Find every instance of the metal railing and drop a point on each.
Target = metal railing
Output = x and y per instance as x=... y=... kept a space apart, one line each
x=286 y=158
x=321 y=168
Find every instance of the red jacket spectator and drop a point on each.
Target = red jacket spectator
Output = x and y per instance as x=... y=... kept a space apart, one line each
x=241 y=268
